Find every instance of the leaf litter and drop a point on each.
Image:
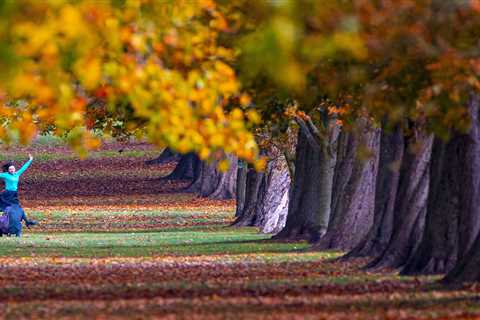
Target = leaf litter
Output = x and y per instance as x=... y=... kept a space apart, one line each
x=120 y=194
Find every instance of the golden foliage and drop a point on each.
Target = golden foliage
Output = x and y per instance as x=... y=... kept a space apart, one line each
x=160 y=58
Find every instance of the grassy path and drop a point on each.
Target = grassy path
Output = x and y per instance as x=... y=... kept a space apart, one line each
x=130 y=246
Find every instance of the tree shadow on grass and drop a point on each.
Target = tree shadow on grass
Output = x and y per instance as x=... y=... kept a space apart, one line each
x=346 y=306
x=180 y=249
x=402 y=298
x=282 y=247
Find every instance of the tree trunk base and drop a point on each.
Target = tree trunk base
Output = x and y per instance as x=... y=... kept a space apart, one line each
x=353 y=190
x=185 y=169
x=210 y=183
x=166 y=156
x=410 y=204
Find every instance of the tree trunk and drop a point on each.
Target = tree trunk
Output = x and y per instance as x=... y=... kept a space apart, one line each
x=186 y=167
x=248 y=216
x=466 y=268
x=167 y=155
x=309 y=205
x=376 y=240
x=272 y=207
x=469 y=218
x=353 y=189
x=241 y=187
x=324 y=212
x=410 y=204
x=437 y=252
x=266 y=200
x=211 y=183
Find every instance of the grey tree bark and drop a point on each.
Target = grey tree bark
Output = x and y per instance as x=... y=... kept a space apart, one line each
x=410 y=203
x=211 y=183
x=437 y=252
x=272 y=206
x=241 y=187
x=469 y=218
x=309 y=206
x=303 y=201
x=248 y=216
x=185 y=168
x=353 y=189
x=376 y=240
x=453 y=218
x=468 y=258
x=266 y=199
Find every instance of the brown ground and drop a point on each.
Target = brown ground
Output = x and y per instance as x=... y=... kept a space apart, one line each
x=191 y=279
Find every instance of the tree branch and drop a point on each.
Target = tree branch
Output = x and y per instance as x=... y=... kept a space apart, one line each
x=315 y=138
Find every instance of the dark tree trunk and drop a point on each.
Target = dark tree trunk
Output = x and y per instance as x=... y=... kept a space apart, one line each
x=248 y=216
x=304 y=194
x=410 y=204
x=197 y=181
x=469 y=218
x=466 y=270
x=241 y=187
x=309 y=205
x=167 y=155
x=467 y=266
x=353 y=189
x=376 y=240
x=186 y=167
x=437 y=252
x=214 y=184
x=454 y=204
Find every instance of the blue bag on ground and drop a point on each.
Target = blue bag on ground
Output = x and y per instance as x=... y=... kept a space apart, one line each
x=4 y=223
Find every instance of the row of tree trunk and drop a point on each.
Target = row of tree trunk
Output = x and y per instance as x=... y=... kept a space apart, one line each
x=262 y=197
x=403 y=198
x=206 y=179
x=413 y=204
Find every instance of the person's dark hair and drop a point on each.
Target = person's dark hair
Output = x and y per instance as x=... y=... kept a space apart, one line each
x=6 y=166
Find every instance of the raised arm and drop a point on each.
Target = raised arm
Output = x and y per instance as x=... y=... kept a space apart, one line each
x=25 y=166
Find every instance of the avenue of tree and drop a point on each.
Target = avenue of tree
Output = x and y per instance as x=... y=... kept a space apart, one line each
x=351 y=124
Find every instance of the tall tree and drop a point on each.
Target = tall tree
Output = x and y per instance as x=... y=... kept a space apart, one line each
x=400 y=62
x=391 y=153
x=310 y=204
x=353 y=188
x=459 y=219
x=410 y=203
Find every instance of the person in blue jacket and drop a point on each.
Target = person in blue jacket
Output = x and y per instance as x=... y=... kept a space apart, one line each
x=11 y=177
x=9 y=202
x=15 y=217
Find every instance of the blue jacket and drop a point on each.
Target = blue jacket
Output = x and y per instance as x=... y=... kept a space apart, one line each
x=15 y=215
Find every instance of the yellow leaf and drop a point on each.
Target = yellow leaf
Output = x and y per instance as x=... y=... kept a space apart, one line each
x=223 y=165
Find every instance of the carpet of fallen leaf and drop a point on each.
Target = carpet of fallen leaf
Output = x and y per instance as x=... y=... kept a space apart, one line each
x=197 y=274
